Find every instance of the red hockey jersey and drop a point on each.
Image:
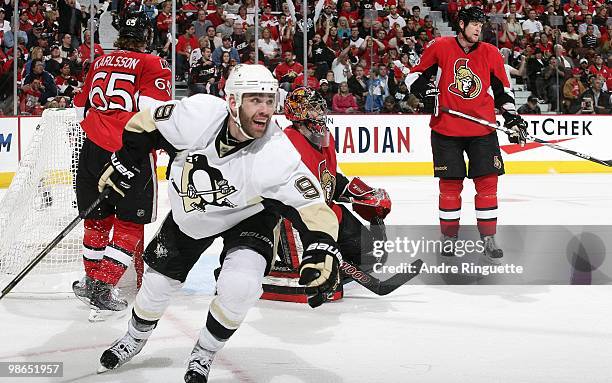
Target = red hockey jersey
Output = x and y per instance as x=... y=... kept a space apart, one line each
x=117 y=86
x=321 y=163
x=474 y=83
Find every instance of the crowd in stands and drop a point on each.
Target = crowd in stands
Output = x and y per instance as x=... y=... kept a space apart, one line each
x=559 y=50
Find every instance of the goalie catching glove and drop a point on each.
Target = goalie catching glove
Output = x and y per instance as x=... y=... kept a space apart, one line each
x=518 y=127
x=319 y=272
x=120 y=174
x=368 y=202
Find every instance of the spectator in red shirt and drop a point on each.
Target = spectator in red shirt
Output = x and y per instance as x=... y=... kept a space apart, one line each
x=186 y=43
x=573 y=5
x=352 y=15
x=34 y=14
x=599 y=68
x=288 y=70
x=164 y=21
x=312 y=79
x=85 y=49
x=217 y=18
x=24 y=22
x=343 y=101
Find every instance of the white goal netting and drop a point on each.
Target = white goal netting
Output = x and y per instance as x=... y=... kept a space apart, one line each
x=40 y=203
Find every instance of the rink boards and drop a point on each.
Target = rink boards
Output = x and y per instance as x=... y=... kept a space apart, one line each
x=394 y=144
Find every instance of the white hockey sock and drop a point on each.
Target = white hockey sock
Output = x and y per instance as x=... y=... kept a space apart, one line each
x=238 y=289
x=154 y=295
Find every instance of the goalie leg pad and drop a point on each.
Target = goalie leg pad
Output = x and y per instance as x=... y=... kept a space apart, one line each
x=450 y=205
x=486 y=203
x=95 y=239
x=127 y=241
x=154 y=296
x=238 y=288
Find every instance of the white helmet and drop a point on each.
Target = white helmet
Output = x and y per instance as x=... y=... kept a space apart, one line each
x=248 y=78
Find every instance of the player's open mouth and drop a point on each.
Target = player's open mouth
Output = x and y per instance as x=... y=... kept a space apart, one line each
x=260 y=124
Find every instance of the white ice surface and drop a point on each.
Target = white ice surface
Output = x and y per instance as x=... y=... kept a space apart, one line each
x=475 y=334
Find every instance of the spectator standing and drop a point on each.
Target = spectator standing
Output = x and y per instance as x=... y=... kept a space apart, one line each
x=535 y=67
x=70 y=20
x=268 y=46
x=553 y=78
x=341 y=67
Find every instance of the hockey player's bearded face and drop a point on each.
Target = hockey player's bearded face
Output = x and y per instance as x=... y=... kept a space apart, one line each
x=255 y=113
x=471 y=32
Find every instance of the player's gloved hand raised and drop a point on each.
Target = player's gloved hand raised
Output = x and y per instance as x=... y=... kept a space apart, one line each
x=319 y=271
x=120 y=174
x=518 y=126
x=368 y=202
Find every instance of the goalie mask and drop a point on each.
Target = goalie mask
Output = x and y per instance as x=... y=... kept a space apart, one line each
x=308 y=108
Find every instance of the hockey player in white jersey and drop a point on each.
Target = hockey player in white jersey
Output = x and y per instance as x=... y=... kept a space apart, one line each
x=233 y=174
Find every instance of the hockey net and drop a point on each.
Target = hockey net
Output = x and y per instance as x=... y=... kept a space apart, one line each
x=39 y=204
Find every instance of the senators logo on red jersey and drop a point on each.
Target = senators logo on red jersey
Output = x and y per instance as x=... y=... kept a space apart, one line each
x=466 y=83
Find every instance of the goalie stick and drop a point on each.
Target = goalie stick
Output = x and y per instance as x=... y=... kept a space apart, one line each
x=529 y=137
x=54 y=242
x=375 y=285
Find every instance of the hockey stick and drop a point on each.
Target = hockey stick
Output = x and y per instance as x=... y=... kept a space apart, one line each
x=529 y=137
x=375 y=285
x=54 y=242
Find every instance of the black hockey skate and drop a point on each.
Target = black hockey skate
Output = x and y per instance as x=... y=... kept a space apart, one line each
x=121 y=352
x=448 y=246
x=83 y=288
x=491 y=251
x=105 y=296
x=198 y=367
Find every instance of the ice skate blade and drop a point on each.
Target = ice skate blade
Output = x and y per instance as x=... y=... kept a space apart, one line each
x=97 y=315
x=102 y=370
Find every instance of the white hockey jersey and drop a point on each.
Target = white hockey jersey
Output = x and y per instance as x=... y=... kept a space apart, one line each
x=214 y=186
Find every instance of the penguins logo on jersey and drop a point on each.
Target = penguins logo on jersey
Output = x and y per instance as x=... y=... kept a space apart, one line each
x=466 y=84
x=203 y=185
x=328 y=181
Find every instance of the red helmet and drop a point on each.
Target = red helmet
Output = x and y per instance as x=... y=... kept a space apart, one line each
x=308 y=108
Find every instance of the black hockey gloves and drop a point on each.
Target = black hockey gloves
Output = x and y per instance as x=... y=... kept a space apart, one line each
x=518 y=126
x=319 y=272
x=119 y=174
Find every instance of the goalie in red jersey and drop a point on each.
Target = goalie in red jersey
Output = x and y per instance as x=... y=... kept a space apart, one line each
x=470 y=78
x=305 y=108
x=117 y=86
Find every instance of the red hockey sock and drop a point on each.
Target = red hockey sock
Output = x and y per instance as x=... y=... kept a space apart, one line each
x=95 y=240
x=127 y=241
x=450 y=206
x=486 y=203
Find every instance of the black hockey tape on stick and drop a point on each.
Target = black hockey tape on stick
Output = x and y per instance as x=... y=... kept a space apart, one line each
x=54 y=242
x=374 y=284
x=529 y=137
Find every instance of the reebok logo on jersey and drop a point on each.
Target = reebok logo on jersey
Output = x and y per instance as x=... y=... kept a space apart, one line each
x=466 y=84
x=121 y=168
